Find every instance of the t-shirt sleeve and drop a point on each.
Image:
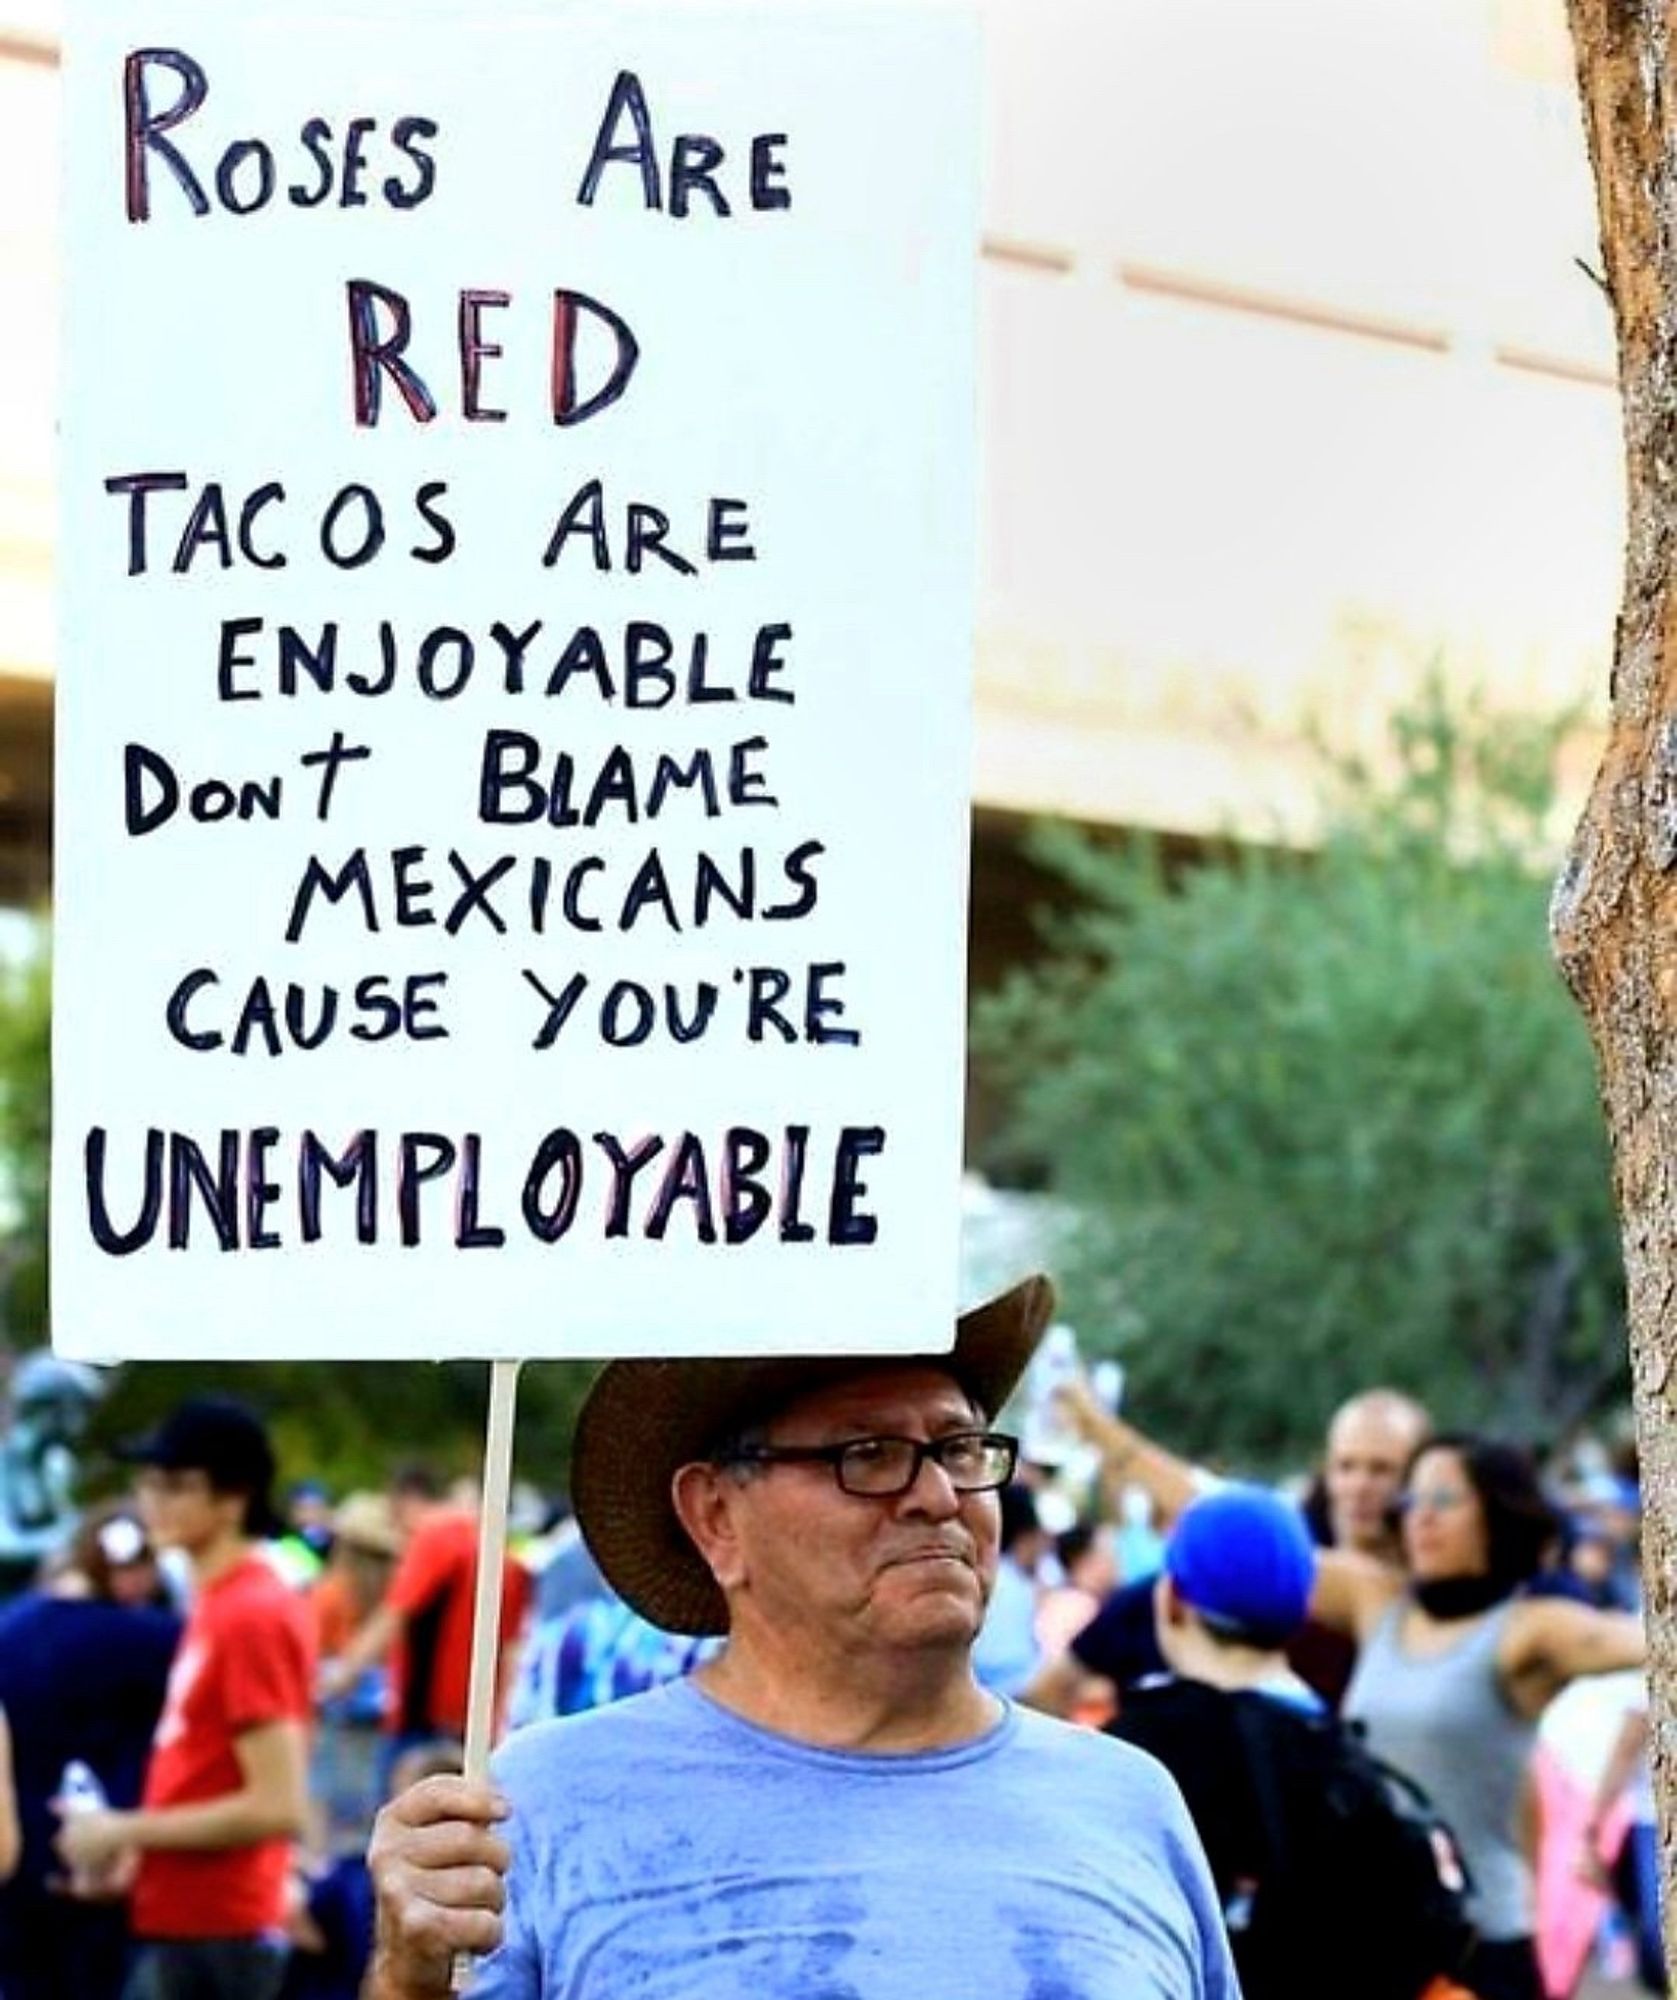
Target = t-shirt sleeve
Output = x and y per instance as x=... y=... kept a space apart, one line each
x=267 y=1676
x=1160 y=1824
x=515 y=1598
x=1218 y=1979
x=422 y=1571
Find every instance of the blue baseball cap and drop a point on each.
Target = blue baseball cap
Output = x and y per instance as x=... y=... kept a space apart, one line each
x=1242 y=1558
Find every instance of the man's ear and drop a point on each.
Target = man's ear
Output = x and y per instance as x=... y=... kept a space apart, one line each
x=1167 y=1605
x=704 y=1497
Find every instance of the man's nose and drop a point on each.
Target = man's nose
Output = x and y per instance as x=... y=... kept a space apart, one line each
x=932 y=1491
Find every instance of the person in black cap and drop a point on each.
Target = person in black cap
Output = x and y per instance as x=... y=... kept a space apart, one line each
x=833 y=1804
x=209 y=1846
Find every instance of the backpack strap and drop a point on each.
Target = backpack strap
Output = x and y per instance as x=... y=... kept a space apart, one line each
x=1258 y=1744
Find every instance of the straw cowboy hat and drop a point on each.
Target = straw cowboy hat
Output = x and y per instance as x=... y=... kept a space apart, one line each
x=643 y=1420
x=367 y=1521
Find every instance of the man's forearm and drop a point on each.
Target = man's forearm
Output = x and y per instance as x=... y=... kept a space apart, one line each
x=236 y=1819
x=371 y=1641
x=1063 y=1686
x=1622 y=1761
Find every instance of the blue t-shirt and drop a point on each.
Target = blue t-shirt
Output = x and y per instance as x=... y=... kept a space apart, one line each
x=664 y=1848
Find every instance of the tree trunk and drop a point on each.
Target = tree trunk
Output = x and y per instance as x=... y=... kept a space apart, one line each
x=1615 y=907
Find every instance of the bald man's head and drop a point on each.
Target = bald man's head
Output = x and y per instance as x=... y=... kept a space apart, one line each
x=1370 y=1441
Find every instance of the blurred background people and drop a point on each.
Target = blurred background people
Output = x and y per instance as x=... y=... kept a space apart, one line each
x=594 y=1650
x=1087 y=1574
x=423 y=1627
x=48 y=1404
x=84 y=1661
x=330 y=1922
x=208 y=1849
x=1620 y=1843
x=1302 y=1834
x=11 y=1833
x=344 y=1787
x=1007 y=1651
x=1352 y=1505
x=1455 y=1665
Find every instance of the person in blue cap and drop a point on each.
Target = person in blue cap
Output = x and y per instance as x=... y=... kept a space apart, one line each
x=1296 y=1822
x=1236 y=1583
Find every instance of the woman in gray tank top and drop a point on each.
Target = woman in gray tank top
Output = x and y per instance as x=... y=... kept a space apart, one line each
x=1455 y=1665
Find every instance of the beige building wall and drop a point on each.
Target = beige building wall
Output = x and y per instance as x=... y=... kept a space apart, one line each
x=1295 y=384
x=1292 y=380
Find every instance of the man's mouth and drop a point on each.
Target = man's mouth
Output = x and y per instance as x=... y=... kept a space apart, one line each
x=936 y=1552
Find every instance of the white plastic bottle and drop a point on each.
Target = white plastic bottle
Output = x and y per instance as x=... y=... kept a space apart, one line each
x=79 y=1791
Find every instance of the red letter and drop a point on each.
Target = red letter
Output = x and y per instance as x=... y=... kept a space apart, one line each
x=473 y=347
x=567 y=410
x=368 y=354
x=143 y=127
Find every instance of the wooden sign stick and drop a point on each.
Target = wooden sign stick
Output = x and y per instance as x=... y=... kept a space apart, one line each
x=486 y=1608
x=491 y=1558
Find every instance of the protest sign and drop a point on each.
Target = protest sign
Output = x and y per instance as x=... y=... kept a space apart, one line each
x=513 y=696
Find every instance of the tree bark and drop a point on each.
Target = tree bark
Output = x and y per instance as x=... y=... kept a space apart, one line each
x=1615 y=905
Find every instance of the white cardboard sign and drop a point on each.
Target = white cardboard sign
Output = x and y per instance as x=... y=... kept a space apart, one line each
x=513 y=698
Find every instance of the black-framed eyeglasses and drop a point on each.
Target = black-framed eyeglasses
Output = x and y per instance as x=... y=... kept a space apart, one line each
x=880 y=1468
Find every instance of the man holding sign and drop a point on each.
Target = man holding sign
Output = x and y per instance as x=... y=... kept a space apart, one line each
x=834 y=1803
x=519 y=569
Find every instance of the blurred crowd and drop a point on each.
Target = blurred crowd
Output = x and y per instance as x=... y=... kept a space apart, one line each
x=1473 y=1616
x=212 y=1681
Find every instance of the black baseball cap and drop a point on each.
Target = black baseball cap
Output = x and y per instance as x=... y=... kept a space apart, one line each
x=226 y=1441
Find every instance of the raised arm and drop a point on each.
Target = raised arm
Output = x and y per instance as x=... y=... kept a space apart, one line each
x=1128 y=1456
x=1352 y=1592
x=1552 y=1641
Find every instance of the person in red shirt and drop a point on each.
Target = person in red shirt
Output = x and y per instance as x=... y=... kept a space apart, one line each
x=209 y=1846
x=424 y=1625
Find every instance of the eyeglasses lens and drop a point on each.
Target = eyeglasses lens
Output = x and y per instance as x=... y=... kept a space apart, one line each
x=877 y=1468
